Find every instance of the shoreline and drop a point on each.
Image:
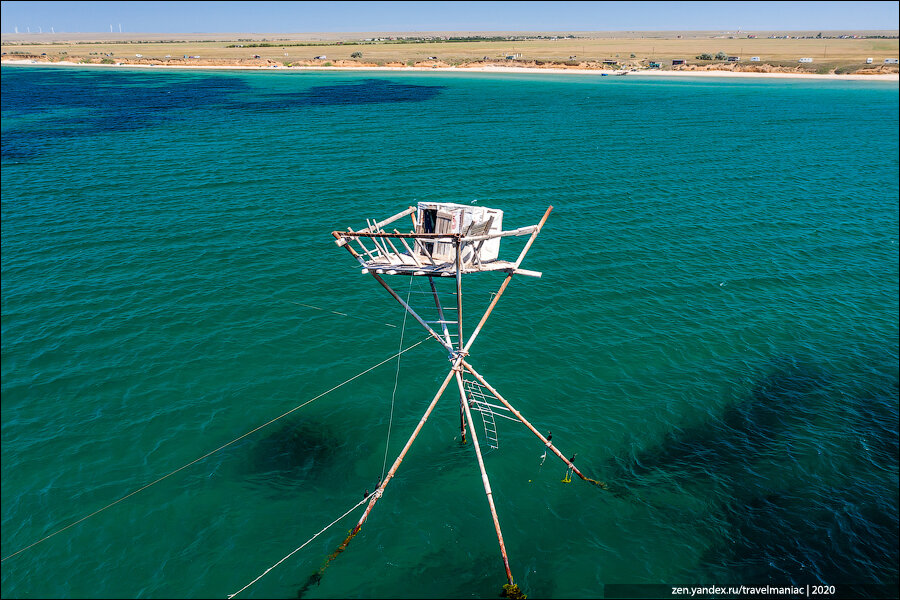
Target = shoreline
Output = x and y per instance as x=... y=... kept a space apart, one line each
x=893 y=77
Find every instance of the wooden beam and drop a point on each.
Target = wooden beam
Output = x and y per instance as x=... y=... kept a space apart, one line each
x=376 y=226
x=499 y=234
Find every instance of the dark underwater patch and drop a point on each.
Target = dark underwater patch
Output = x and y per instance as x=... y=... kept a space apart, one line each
x=778 y=404
x=293 y=455
x=62 y=105
x=792 y=526
x=849 y=537
x=369 y=91
x=133 y=101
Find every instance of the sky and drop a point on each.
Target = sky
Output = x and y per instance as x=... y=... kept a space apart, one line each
x=369 y=16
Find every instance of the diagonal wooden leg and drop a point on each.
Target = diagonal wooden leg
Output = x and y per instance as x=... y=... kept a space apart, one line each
x=519 y=416
x=484 y=480
x=317 y=576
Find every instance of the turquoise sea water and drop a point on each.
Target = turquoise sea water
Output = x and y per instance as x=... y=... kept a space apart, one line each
x=715 y=334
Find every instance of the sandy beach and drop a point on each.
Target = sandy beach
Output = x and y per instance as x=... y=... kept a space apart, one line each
x=499 y=69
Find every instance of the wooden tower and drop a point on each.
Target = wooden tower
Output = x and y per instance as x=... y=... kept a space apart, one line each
x=449 y=241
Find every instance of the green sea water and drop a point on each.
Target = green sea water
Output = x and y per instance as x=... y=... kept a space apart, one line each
x=715 y=333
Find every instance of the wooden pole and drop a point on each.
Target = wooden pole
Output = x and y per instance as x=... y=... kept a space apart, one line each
x=459 y=307
x=506 y=281
x=354 y=253
x=463 y=402
x=519 y=416
x=366 y=250
x=382 y=249
x=412 y=254
x=485 y=481
x=389 y=220
x=463 y=405
x=377 y=494
x=449 y=347
x=396 y=252
x=317 y=576
x=533 y=236
x=440 y=310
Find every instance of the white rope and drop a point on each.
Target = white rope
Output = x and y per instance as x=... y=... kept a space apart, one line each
x=222 y=447
x=396 y=378
x=340 y=313
x=358 y=504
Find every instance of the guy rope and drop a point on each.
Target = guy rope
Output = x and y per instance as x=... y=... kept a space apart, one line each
x=210 y=453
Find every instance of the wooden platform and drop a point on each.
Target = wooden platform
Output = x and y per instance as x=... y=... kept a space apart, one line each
x=403 y=264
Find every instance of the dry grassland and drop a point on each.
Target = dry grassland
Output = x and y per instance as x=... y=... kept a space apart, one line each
x=772 y=51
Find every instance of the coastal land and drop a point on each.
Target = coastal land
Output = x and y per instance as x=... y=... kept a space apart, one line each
x=848 y=55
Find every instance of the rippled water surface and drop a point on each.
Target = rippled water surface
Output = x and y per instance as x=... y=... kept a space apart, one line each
x=715 y=334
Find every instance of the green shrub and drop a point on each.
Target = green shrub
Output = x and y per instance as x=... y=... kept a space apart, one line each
x=848 y=69
x=107 y=61
x=356 y=55
x=328 y=64
x=705 y=56
x=721 y=55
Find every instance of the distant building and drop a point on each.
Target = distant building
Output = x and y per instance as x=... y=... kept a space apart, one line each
x=514 y=56
x=654 y=65
x=805 y=60
x=320 y=57
x=139 y=56
x=868 y=61
x=733 y=59
x=891 y=61
x=610 y=61
x=754 y=59
x=678 y=61
x=432 y=58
